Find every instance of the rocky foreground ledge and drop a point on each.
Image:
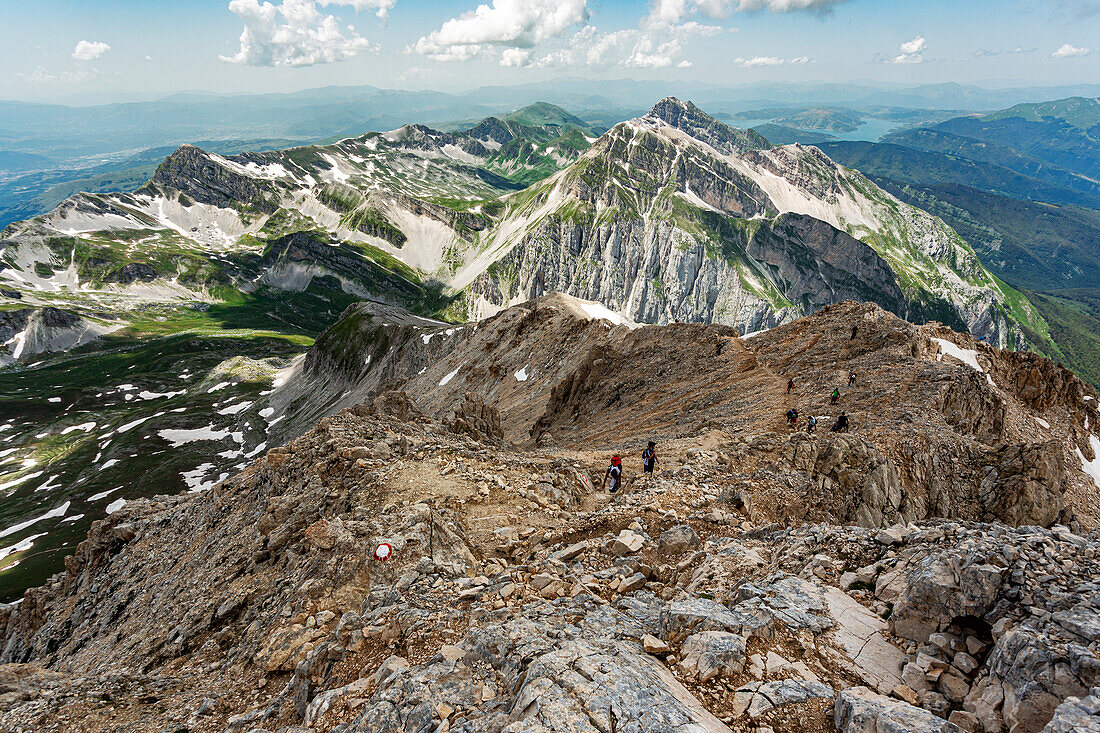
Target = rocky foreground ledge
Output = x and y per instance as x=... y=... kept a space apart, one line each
x=520 y=600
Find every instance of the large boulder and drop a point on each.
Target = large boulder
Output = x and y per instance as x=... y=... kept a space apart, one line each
x=1077 y=715
x=477 y=418
x=711 y=654
x=930 y=592
x=678 y=540
x=861 y=710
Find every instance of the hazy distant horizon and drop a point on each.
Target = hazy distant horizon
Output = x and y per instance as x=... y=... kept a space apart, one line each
x=1056 y=89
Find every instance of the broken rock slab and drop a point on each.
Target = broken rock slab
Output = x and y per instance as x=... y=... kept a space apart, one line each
x=862 y=710
x=626 y=543
x=758 y=698
x=711 y=654
x=861 y=635
x=677 y=540
x=1077 y=715
x=683 y=618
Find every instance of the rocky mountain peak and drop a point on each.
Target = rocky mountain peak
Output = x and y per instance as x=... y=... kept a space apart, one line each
x=688 y=118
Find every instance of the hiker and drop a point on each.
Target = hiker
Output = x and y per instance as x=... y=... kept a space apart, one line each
x=792 y=416
x=614 y=473
x=811 y=425
x=854 y=328
x=790 y=385
x=649 y=460
x=851 y=378
x=835 y=397
x=841 y=424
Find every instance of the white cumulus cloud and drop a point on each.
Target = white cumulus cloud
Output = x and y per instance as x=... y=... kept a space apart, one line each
x=1067 y=51
x=381 y=8
x=764 y=61
x=912 y=52
x=648 y=48
x=42 y=75
x=295 y=33
x=511 y=24
x=90 y=50
x=511 y=31
x=674 y=11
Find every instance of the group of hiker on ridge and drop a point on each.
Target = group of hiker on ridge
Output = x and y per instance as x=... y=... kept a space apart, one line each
x=613 y=476
x=840 y=426
x=614 y=473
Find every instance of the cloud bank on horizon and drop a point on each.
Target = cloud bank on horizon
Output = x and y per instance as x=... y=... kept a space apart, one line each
x=470 y=41
x=509 y=31
x=543 y=34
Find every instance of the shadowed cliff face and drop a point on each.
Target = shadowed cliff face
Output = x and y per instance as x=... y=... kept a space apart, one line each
x=190 y=171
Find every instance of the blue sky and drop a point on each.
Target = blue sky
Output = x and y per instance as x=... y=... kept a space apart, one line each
x=109 y=48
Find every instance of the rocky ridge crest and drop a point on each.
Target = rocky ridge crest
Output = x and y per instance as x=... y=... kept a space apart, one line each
x=728 y=593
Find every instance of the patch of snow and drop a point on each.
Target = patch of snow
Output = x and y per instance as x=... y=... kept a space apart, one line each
x=102 y=494
x=692 y=198
x=337 y=175
x=86 y=427
x=1092 y=468
x=602 y=312
x=115 y=505
x=53 y=399
x=48 y=484
x=966 y=356
x=21 y=479
x=453 y=151
x=180 y=437
x=194 y=478
x=284 y=374
x=73 y=518
x=147 y=395
x=267 y=412
x=216 y=387
x=21 y=546
x=52 y=514
x=134 y=424
x=108 y=464
x=449 y=377
x=234 y=409
x=521 y=375
x=255 y=451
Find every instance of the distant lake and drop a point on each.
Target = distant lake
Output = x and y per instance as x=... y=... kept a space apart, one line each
x=871 y=130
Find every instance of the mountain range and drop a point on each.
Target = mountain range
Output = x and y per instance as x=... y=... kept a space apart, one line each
x=215 y=274
x=1020 y=186
x=317 y=437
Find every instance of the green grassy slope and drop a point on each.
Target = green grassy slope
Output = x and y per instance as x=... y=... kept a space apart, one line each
x=544 y=113
x=1074 y=320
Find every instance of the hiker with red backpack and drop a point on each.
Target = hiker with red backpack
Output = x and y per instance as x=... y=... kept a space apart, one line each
x=613 y=475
